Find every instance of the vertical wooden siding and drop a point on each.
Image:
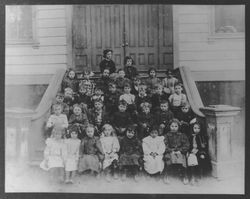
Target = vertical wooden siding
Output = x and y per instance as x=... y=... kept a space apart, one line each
x=51 y=52
x=197 y=50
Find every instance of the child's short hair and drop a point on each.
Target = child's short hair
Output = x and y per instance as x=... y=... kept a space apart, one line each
x=178 y=84
x=68 y=89
x=185 y=104
x=169 y=71
x=164 y=102
x=60 y=94
x=127 y=58
x=77 y=106
x=153 y=129
x=131 y=128
x=112 y=84
x=123 y=103
x=98 y=100
x=98 y=88
x=90 y=126
x=106 y=51
x=136 y=78
x=175 y=120
x=74 y=128
x=127 y=85
x=145 y=105
x=151 y=69
x=142 y=87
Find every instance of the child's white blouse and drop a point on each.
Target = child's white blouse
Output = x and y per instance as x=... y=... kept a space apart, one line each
x=129 y=98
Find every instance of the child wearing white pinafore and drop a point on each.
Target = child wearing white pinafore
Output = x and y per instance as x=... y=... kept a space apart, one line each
x=53 y=154
x=71 y=154
x=153 y=149
x=111 y=147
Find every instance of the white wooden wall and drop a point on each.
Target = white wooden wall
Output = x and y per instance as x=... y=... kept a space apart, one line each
x=204 y=55
x=51 y=52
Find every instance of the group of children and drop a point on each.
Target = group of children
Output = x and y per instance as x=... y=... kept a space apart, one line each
x=122 y=125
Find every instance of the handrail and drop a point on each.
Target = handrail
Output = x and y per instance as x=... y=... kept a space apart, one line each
x=50 y=93
x=192 y=92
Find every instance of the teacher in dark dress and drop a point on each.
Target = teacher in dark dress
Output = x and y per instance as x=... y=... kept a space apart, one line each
x=107 y=62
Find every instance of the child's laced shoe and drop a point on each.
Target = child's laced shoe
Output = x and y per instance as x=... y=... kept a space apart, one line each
x=116 y=176
x=124 y=177
x=136 y=178
x=192 y=181
x=166 y=179
x=185 y=180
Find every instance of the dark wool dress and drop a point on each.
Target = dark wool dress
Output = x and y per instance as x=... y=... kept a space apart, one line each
x=163 y=117
x=107 y=64
x=147 y=119
x=103 y=83
x=176 y=141
x=130 y=72
x=111 y=102
x=185 y=119
x=130 y=151
x=91 y=154
x=202 y=146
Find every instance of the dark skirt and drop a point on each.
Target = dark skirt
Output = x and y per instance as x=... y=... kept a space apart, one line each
x=89 y=162
x=129 y=160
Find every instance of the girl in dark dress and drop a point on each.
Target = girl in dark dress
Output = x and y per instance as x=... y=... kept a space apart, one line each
x=91 y=152
x=130 y=154
x=70 y=81
x=129 y=69
x=197 y=157
x=107 y=62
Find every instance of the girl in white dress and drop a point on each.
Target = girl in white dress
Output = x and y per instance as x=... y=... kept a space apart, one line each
x=153 y=149
x=53 y=154
x=110 y=146
x=71 y=155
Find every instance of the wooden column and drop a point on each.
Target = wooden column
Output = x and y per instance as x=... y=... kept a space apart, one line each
x=220 y=125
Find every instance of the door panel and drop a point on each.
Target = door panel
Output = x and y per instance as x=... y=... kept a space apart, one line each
x=148 y=32
x=95 y=28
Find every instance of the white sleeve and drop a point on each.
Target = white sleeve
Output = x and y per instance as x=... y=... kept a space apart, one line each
x=65 y=121
x=116 y=146
x=161 y=146
x=146 y=146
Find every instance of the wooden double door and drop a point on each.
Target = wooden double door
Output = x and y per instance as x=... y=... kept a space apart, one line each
x=144 y=32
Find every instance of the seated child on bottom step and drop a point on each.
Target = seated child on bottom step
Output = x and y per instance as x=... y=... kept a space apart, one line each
x=130 y=154
x=71 y=155
x=110 y=146
x=197 y=156
x=91 y=152
x=177 y=145
x=53 y=155
x=153 y=150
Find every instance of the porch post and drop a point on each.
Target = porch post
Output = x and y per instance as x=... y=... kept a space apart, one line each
x=220 y=125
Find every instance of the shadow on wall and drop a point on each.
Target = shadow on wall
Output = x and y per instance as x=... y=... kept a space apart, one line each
x=24 y=96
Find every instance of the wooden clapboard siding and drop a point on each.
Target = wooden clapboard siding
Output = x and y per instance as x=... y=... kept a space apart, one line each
x=148 y=28
x=195 y=47
x=51 y=51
